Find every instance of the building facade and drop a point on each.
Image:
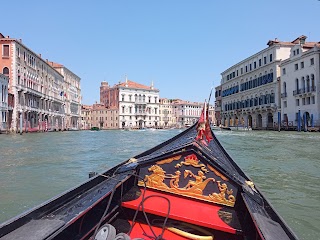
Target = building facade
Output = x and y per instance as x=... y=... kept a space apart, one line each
x=35 y=87
x=167 y=117
x=250 y=89
x=86 y=117
x=138 y=104
x=4 y=80
x=186 y=113
x=72 y=96
x=300 y=85
x=98 y=115
x=217 y=106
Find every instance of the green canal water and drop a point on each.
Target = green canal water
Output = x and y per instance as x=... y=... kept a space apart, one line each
x=285 y=166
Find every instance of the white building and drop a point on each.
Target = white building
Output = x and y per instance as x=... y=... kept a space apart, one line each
x=300 y=86
x=4 y=80
x=186 y=113
x=250 y=89
x=72 y=96
x=138 y=104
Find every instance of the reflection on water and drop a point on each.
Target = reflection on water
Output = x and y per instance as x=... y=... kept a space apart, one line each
x=285 y=166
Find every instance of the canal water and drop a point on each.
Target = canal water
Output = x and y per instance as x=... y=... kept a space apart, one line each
x=285 y=166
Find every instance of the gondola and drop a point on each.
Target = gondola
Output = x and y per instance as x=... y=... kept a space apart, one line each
x=187 y=187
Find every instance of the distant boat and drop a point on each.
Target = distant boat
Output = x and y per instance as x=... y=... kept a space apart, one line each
x=225 y=128
x=187 y=187
x=240 y=128
x=95 y=129
x=220 y=127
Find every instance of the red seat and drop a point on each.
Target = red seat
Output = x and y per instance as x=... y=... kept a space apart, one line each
x=182 y=209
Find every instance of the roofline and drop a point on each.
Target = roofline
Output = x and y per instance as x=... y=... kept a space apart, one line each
x=20 y=42
x=246 y=59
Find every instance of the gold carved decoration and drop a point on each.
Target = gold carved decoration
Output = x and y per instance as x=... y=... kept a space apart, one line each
x=221 y=197
x=193 y=161
x=194 y=187
x=169 y=160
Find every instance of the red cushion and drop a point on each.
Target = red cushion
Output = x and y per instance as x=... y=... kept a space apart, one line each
x=182 y=209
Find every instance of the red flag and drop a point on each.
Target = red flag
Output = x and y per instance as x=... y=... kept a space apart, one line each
x=208 y=132
x=203 y=127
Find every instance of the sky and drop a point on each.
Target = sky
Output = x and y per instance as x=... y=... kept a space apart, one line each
x=182 y=46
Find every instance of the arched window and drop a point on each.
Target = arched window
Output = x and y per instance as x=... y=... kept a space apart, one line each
x=272 y=99
x=308 y=84
x=312 y=82
x=5 y=71
x=303 y=84
x=284 y=87
x=256 y=100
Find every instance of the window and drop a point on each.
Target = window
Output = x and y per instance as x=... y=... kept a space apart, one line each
x=122 y=98
x=5 y=52
x=297 y=102
x=296 y=66
x=254 y=65
x=297 y=51
x=241 y=70
x=285 y=104
x=303 y=101
x=270 y=57
x=259 y=62
x=312 y=61
x=308 y=101
x=283 y=71
x=5 y=71
x=294 y=52
x=313 y=100
x=264 y=60
x=246 y=68
x=250 y=66
x=302 y=65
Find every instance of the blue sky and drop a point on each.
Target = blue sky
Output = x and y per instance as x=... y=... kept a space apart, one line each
x=181 y=45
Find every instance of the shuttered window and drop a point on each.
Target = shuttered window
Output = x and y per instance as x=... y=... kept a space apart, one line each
x=5 y=52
